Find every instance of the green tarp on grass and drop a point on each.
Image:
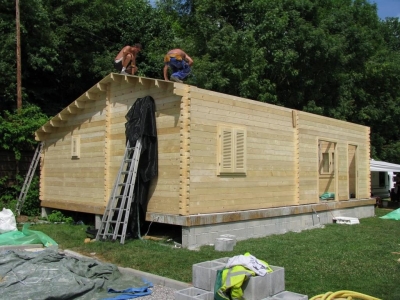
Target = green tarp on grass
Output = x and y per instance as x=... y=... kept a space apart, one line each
x=26 y=237
x=48 y=275
x=394 y=215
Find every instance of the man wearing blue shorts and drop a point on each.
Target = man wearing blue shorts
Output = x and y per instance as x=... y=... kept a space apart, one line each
x=180 y=64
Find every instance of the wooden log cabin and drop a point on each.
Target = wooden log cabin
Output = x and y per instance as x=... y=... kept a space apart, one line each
x=227 y=165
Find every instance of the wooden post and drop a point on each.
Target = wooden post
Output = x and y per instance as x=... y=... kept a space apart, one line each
x=19 y=93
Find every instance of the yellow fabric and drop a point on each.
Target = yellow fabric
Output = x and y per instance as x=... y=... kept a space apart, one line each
x=233 y=279
x=168 y=57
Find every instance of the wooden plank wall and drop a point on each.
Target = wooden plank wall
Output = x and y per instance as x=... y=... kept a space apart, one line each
x=282 y=155
x=282 y=151
x=327 y=182
x=270 y=178
x=164 y=190
x=352 y=164
x=75 y=183
x=313 y=128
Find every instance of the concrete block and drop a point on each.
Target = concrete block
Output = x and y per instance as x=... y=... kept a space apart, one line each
x=205 y=296
x=205 y=273
x=229 y=236
x=259 y=287
x=224 y=244
x=193 y=293
x=285 y=295
x=222 y=260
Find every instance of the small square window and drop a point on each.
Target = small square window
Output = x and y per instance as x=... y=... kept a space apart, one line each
x=75 y=146
x=327 y=157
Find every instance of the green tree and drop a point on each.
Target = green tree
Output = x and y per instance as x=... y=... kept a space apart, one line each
x=17 y=129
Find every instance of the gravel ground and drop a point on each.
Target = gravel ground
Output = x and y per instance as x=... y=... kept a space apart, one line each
x=160 y=292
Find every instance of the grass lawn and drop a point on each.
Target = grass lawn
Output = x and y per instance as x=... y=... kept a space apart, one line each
x=338 y=257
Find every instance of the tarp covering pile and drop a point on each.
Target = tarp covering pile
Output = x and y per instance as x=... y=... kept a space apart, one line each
x=48 y=274
x=26 y=237
x=394 y=215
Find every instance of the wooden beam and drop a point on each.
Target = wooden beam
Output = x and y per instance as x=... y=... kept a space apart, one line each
x=101 y=87
x=64 y=115
x=79 y=104
x=47 y=128
x=116 y=77
x=294 y=118
x=91 y=96
x=130 y=79
x=88 y=207
x=72 y=110
x=145 y=81
x=161 y=83
x=57 y=123
x=40 y=136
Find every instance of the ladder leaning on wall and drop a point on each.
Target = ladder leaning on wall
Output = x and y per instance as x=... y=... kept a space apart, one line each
x=119 y=203
x=28 y=178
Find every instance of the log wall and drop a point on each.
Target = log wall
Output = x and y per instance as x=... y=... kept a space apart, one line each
x=282 y=151
x=270 y=177
x=69 y=182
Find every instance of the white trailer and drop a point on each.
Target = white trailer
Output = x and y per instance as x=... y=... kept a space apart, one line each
x=383 y=178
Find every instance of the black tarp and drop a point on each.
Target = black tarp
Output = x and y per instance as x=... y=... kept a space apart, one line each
x=141 y=122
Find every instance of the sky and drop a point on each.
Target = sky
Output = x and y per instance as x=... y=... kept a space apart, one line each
x=387 y=8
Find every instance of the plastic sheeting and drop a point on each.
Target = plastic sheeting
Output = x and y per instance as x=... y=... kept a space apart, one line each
x=48 y=274
x=394 y=215
x=26 y=237
x=141 y=122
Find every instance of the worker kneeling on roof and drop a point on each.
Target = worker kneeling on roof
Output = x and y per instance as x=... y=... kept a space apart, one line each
x=180 y=64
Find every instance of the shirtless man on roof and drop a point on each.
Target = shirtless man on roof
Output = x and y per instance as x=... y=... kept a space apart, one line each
x=125 y=61
x=180 y=64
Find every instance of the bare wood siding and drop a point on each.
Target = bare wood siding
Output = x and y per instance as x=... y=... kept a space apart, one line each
x=65 y=179
x=282 y=157
x=164 y=190
x=269 y=180
x=311 y=129
x=351 y=160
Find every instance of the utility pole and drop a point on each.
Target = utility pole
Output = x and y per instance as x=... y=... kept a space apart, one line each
x=19 y=93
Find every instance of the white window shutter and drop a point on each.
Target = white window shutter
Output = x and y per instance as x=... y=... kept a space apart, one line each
x=240 y=151
x=226 y=164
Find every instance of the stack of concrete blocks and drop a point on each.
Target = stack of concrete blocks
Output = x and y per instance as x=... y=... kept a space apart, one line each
x=268 y=287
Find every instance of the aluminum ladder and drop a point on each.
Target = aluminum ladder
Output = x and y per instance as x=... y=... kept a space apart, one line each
x=119 y=203
x=28 y=178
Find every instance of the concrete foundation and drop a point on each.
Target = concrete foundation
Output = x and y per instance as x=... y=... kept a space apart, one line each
x=45 y=212
x=199 y=230
x=97 y=221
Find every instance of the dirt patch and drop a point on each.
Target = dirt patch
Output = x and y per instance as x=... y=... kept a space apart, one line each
x=26 y=219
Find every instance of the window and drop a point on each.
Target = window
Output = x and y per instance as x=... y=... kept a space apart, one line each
x=325 y=162
x=327 y=157
x=231 y=150
x=75 y=146
x=382 y=176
